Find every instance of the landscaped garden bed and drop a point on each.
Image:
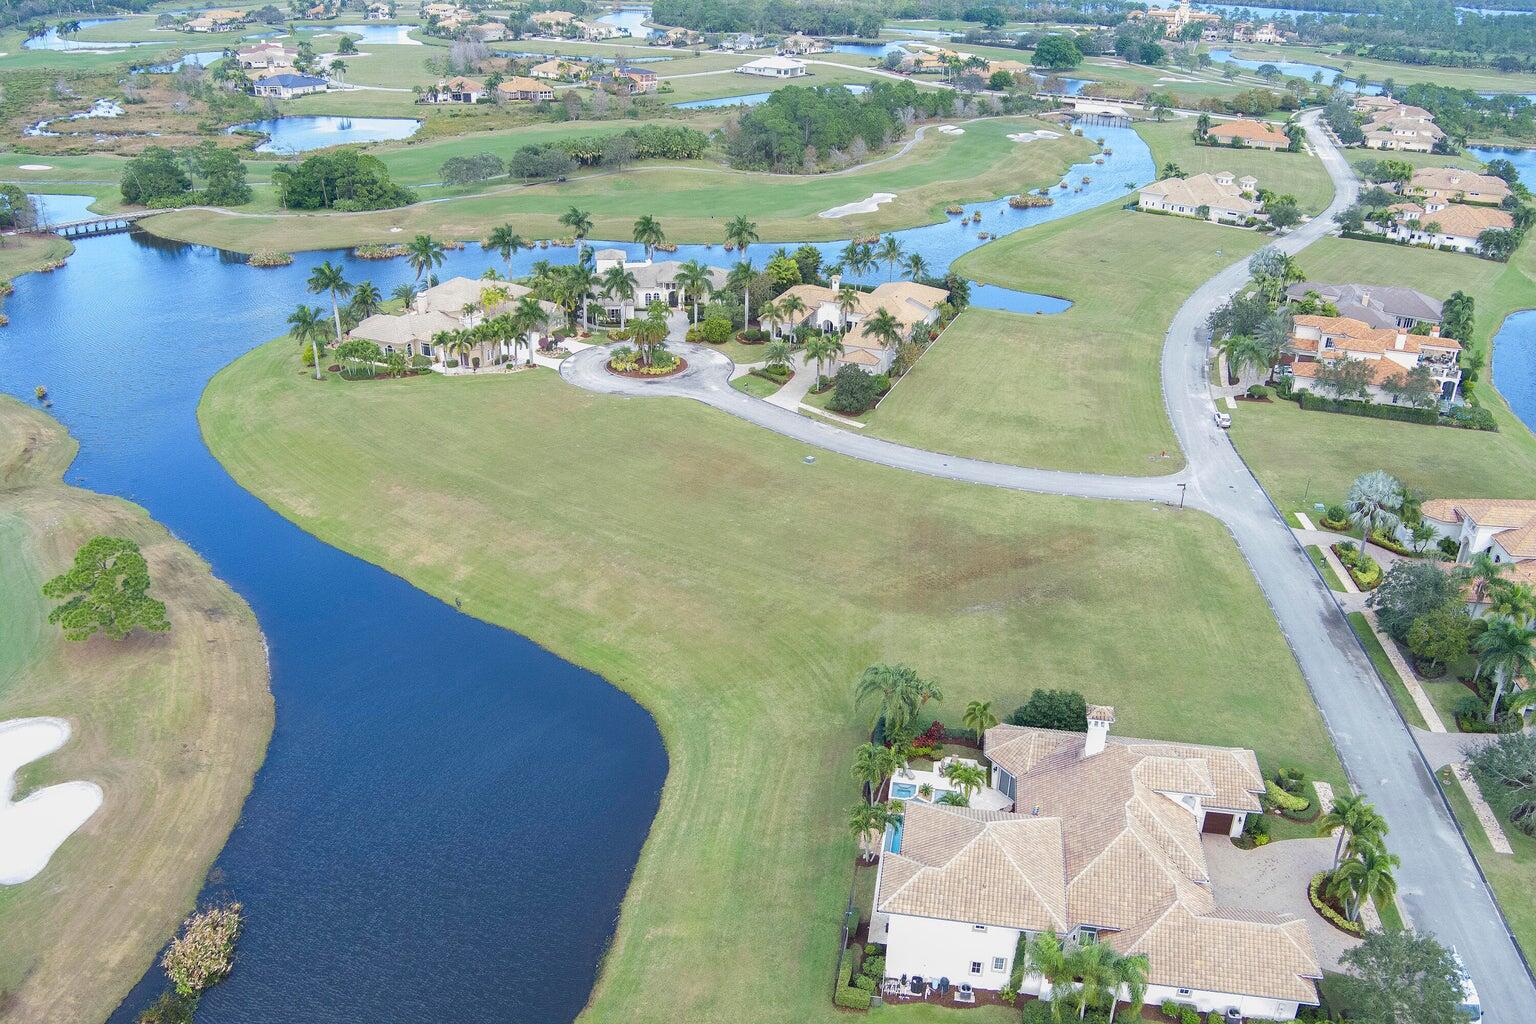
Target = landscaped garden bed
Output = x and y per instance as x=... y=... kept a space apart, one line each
x=1328 y=909
x=626 y=362
x=1362 y=568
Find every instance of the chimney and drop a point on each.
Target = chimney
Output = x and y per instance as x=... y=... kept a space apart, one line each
x=837 y=281
x=1100 y=718
x=1402 y=341
x=1434 y=330
x=1365 y=298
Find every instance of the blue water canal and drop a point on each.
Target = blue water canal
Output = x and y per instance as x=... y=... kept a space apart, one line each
x=448 y=816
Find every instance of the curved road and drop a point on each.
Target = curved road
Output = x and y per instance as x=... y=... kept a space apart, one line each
x=1439 y=881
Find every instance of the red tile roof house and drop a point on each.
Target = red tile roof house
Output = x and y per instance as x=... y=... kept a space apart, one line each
x=1502 y=528
x=1436 y=223
x=1102 y=844
x=1249 y=135
x=1316 y=340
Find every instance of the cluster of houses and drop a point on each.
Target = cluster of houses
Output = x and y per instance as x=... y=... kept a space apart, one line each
x=1219 y=197
x=1214 y=29
x=1377 y=325
x=832 y=311
x=1098 y=839
x=625 y=77
x=565 y=25
x=924 y=58
x=535 y=87
x=454 y=305
x=220 y=19
x=1446 y=207
x=1397 y=126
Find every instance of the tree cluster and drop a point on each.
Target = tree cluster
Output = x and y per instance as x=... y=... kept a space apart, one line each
x=204 y=174
x=799 y=126
x=342 y=180
x=815 y=17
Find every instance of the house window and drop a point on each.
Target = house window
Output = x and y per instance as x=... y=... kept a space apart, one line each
x=999 y=964
x=1185 y=992
x=426 y=349
x=975 y=966
x=978 y=927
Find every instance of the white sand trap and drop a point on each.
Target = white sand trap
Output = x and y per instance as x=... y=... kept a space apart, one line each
x=1024 y=137
x=869 y=205
x=31 y=829
x=1046 y=133
x=395 y=231
x=949 y=129
x=35 y=167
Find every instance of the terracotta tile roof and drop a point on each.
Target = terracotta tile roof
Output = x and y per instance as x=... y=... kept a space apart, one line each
x=1454 y=179
x=1468 y=221
x=1263 y=954
x=1506 y=512
x=1254 y=131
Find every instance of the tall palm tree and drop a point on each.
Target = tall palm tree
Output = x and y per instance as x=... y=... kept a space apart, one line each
x=969 y=776
x=890 y=253
x=1130 y=973
x=328 y=277
x=1045 y=956
x=848 y=301
x=404 y=293
x=1506 y=650
x=581 y=281
x=619 y=283
x=915 y=268
x=580 y=223
x=884 y=328
x=1092 y=965
x=492 y=297
x=768 y=313
x=818 y=349
x=873 y=763
x=648 y=233
x=1366 y=875
x=790 y=306
x=307 y=325
x=529 y=317
x=695 y=280
x=424 y=254
x=366 y=300
x=1373 y=503
x=1350 y=815
x=979 y=717
x=894 y=688
x=1483 y=572
x=741 y=233
x=868 y=822
x=1245 y=351
x=742 y=275
x=506 y=242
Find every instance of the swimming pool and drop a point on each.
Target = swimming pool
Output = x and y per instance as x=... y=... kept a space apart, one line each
x=903 y=790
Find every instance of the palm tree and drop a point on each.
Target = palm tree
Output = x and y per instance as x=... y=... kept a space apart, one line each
x=1130 y=973
x=768 y=313
x=528 y=318
x=366 y=300
x=979 y=717
x=494 y=296
x=423 y=254
x=1515 y=601
x=790 y=306
x=776 y=353
x=581 y=281
x=404 y=293
x=506 y=242
x=1484 y=572
x=848 y=301
x=618 y=282
x=742 y=275
x=1507 y=651
x=1097 y=979
x=307 y=325
x=890 y=253
x=873 y=763
x=328 y=277
x=969 y=776
x=1373 y=503
x=818 y=349
x=868 y=822
x=1366 y=875
x=1044 y=956
x=741 y=233
x=695 y=280
x=915 y=268
x=1244 y=351
x=1350 y=815
x=884 y=328
x=650 y=333
x=580 y=223
x=895 y=688
x=648 y=233
x=858 y=258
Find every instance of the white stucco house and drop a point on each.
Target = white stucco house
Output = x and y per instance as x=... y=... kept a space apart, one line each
x=1220 y=196
x=774 y=67
x=1502 y=528
x=655 y=281
x=1102 y=843
x=454 y=305
x=1435 y=222
x=834 y=310
x=1389 y=351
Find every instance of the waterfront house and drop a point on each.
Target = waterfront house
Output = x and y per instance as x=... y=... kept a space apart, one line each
x=1377 y=305
x=456 y=90
x=379 y=12
x=1247 y=32
x=489 y=32
x=655 y=281
x=1440 y=224
x=1102 y=841
x=1175 y=18
x=1404 y=133
x=557 y=70
x=908 y=302
x=286 y=85
x=217 y=20
x=266 y=55
x=1504 y=529
x=519 y=89
x=1391 y=353
x=454 y=305
x=1248 y=134
x=1223 y=199
x=774 y=67
x=799 y=44
x=553 y=20
x=1454 y=185
x=639 y=80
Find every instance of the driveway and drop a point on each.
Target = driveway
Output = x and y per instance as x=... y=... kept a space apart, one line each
x=1274 y=879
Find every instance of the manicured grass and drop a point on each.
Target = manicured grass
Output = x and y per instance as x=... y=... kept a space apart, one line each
x=727 y=83
x=693 y=202
x=22 y=254
x=1075 y=390
x=1391 y=917
x=1384 y=668
x=1299 y=174
x=757 y=387
x=172 y=726
x=1315 y=554
x=740 y=611
x=1513 y=877
x=1304 y=457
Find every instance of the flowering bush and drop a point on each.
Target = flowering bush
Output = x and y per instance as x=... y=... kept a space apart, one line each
x=204 y=952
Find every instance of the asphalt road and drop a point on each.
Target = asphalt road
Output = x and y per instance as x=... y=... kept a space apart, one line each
x=1438 y=882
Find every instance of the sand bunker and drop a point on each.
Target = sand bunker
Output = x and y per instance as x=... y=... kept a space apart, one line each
x=31 y=829
x=949 y=129
x=35 y=167
x=869 y=205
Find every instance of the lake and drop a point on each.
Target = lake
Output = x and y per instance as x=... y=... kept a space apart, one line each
x=382 y=35
x=750 y=99
x=201 y=59
x=1297 y=69
x=1514 y=364
x=629 y=20
x=1523 y=159
x=51 y=40
x=300 y=133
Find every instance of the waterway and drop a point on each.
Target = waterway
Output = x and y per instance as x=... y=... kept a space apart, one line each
x=448 y=816
x=1298 y=69
x=381 y=35
x=750 y=99
x=629 y=20
x=1523 y=159
x=200 y=59
x=52 y=40
x=300 y=133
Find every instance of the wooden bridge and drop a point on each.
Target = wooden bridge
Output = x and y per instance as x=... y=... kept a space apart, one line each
x=107 y=225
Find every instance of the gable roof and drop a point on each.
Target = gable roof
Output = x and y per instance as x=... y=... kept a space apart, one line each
x=1255 y=131
x=1455 y=179
x=1201 y=190
x=1378 y=305
x=1465 y=221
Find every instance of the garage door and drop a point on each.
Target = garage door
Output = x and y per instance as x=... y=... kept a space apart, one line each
x=1220 y=824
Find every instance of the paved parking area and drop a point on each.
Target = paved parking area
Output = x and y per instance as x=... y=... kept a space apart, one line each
x=1274 y=878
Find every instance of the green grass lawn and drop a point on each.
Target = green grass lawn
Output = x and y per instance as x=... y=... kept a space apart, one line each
x=1315 y=555
x=741 y=611
x=1299 y=174
x=692 y=202
x=21 y=254
x=1075 y=390
x=1306 y=457
x=1513 y=876
x=757 y=387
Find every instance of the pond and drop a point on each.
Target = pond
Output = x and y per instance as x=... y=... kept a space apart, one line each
x=382 y=35
x=876 y=50
x=300 y=133
x=101 y=108
x=201 y=59
x=629 y=20
x=53 y=209
x=750 y=99
x=51 y=40
x=1514 y=364
x=1297 y=69
x=446 y=810
x=1523 y=159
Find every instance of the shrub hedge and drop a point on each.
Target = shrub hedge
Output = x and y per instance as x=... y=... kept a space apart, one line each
x=844 y=995
x=1466 y=417
x=1333 y=917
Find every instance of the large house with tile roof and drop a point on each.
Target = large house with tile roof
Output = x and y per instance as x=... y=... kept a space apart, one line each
x=832 y=311
x=1502 y=528
x=1102 y=843
x=1222 y=197
x=1439 y=224
x=1391 y=352
x=453 y=305
x=1249 y=134
x=655 y=281
x=1454 y=185
x=1376 y=305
